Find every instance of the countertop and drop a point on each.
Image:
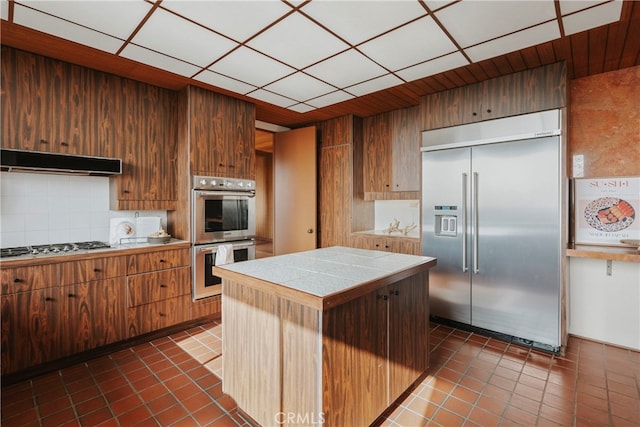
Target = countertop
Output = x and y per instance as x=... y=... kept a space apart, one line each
x=413 y=234
x=117 y=250
x=323 y=278
x=613 y=253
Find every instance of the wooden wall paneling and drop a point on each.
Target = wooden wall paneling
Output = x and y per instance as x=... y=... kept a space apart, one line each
x=378 y=153
x=264 y=195
x=179 y=220
x=301 y=382
x=355 y=333
x=362 y=211
x=250 y=309
x=334 y=195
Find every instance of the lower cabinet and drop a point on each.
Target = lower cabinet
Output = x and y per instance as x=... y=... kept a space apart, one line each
x=157 y=300
x=31 y=323
x=93 y=315
x=401 y=245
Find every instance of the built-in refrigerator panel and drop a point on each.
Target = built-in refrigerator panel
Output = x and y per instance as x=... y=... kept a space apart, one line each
x=445 y=227
x=491 y=215
x=516 y=236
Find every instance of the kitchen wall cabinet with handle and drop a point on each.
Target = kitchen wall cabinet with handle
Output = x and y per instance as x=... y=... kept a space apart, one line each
x=222 y=134
x=391 y=147
x=528 y=91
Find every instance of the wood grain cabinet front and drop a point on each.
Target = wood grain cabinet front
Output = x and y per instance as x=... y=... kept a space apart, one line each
x=399 y=245
x=21 y=279
x=392 y=151
x=160 y=260
x=222 y=135
x=93 y=315
x=92 y=269
x=157 y=286
x=157 y=315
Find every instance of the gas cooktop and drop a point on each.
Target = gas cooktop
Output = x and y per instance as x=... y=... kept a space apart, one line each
x=52 y=249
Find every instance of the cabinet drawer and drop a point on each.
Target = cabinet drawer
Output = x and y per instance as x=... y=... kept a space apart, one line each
x=157 y=315
x=92 y=269
x=22 y=279
x=157 y=286
x=161 y=260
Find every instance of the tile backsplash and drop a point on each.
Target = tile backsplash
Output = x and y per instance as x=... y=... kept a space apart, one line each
x=49 y=208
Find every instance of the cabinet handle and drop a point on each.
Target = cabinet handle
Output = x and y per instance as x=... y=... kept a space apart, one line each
x=64 y=144
x=126 y=191
x=97 y=270
x=488 y=110
x=221 y=164
x=17 y=280
x=44 y=141
x=71 y=295
x=161 y=260
x=48 y=299
x=162 y=285
x=162 y=315
x=383 y=297
x=396 y=292
x=474 y=113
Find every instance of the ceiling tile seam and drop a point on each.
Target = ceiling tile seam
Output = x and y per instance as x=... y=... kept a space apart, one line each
x=444 y=30
x=556 y=4
x=144 y=20
x=512 y=33
x=231 y=78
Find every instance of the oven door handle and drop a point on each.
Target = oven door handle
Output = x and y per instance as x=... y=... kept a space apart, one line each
x=219 y=194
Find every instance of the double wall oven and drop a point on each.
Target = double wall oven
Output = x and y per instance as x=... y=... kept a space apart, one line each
x=222 y=213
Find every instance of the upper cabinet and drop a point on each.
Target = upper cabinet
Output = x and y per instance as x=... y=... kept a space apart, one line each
x=221 y=135
x=391 y=151
x=53 y=106
x=537 y=89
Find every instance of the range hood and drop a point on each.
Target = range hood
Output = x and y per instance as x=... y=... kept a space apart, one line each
x=37 y=161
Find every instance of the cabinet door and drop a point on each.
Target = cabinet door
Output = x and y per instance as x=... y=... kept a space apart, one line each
x=21 y=279
x=377 y=153
x=161 y=260
x=159 y=285
x=222 y=134
x=92 y=269
x=30 y=328
x=354 y=343
x=406 y=140
x=334 y=197
x=94 y=315
x=157 y=315
x=408 y=332
x=148 y=147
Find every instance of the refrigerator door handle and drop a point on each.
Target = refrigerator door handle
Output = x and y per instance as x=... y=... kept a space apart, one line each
x=464 y=223
x=475 y=223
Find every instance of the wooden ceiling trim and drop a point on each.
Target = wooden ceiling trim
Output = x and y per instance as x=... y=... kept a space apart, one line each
x=597 y=49
x=580 y=53
x=631 y=50
x=516 y=61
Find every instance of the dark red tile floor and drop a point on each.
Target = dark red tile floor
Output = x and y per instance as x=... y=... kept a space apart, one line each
x=474 y=381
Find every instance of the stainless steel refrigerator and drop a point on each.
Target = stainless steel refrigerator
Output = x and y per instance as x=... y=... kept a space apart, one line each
x=493 y=214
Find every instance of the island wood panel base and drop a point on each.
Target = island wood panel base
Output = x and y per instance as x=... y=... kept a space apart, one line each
x=287 y=363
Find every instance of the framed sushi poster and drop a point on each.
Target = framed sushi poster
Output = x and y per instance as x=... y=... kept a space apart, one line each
x=606 y=210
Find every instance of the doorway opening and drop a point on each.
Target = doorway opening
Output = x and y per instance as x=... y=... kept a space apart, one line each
x=264 y=193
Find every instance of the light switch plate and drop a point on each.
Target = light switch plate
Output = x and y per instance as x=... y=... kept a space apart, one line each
x=578 y=165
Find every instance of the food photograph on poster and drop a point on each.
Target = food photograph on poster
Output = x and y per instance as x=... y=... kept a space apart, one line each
x=606 y=210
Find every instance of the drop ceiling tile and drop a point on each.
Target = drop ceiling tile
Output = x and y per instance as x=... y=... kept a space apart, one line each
x=570 y=6
x=158 y=60
x=374 y=85
x=4 y=9
x=272 y=98
x=473 y=22
x=115 y=18
x=224 y=82
x=301 y=108
x=346 y=18
x=251 y=67
x=65 y=29
x=434 y=66
x=414 y=43
x=330 y=99
x=591 y=18
x=345 y=69
x=184 y=41
x=300 y=87
x=236 y=19
x=297 y=41
x=525 y=38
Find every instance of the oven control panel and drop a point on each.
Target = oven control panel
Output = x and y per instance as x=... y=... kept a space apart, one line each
x=223 y=184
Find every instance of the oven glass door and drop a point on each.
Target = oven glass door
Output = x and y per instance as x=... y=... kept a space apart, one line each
x=223 y=217
x=205 y=283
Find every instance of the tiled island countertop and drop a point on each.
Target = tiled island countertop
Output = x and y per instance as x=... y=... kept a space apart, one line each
x=324 y=278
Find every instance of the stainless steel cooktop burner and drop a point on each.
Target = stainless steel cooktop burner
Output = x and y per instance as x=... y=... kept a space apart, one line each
x=56 y=248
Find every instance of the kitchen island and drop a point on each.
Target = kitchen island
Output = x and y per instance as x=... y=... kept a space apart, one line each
x=330 y=336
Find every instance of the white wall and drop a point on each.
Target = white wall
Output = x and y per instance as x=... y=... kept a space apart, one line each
x=405 y=211
x=605 y=308
x=50 y=208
